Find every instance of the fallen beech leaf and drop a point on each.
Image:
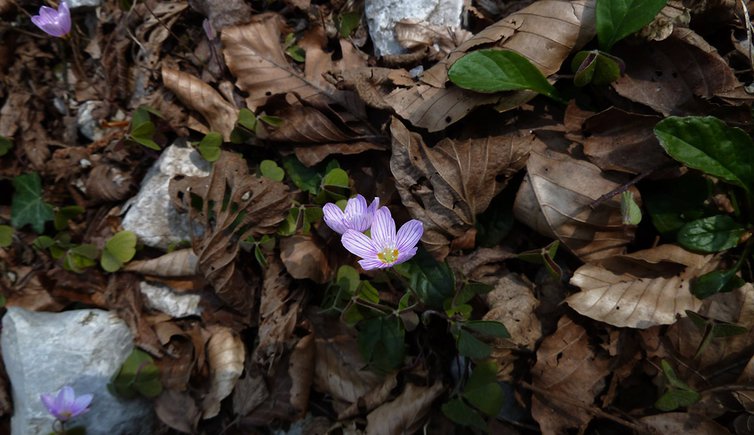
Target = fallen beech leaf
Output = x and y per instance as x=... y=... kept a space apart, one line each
x=447 y=185
x=225 y=354
x=178 y=410
x=566 y=366
x=219 y=113
x=182 y=262
x=746 y=397
x=555 y=200
x=439 y=40
x=406 y=413
x=616 y=140
x=308 y=125
x=231 y=205
x=642 y=289
x=311 y=155
x=372 y=399
x=685 y=423
x=305 y=259
x=670 y=74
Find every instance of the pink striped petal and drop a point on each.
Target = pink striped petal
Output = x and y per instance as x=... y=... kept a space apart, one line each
x=383 y=229
x=409 y=235
x=359 y=244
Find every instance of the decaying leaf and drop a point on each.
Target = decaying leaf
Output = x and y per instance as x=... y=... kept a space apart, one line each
x=685 y=423
x=555 y=199
x=230 y=205
x=305 y=259
x=219 y=113
x=372 y=399
x=567 y=367
x=512 y=303
x=180 y=263
x=178 y=410
x=642 y=289
x=406 y=413
x=225 y=354
x=439 y=40
x=108 y=183
x=545 y=32
x=447 y=185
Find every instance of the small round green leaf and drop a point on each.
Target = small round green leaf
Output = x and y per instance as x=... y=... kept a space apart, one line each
x=271 y=170
x=120 y=249
x=6 y=236
x=710 y=234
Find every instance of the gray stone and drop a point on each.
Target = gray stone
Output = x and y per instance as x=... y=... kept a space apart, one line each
x=382 y=15
x=74 y=4
x=82 y=348
x=150 y=214
x=87 y=122
x=163 y=298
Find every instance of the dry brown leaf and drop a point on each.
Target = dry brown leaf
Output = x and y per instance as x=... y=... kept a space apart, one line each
x=255 y=56
x=616 y=140
x=224 y=13
x=746 y=397
x=278 y=315
x=372 y=399
x=673 y=14
x=108 y=183
x=567 y=367
x=642 y=289
x=406 y=413
x=231 y=205
x=669 y=75
x=201 y=97
x=447 y=185
x=305 y=259
x=178 y=410
x=555 y=200
x=225 y=355
x=150 y=34
x=180 y=263
x=303 y=124
x=339 y=368
x=546 y=33
x=683 y=423
x=439 y=40
x=311 y=155
x=512 y=303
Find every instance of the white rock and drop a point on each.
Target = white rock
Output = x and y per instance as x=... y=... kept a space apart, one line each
x=82 y=348
x=73 y=4
x=382 y=15
x=163 y=298
x=150 y=214
x=88 y=125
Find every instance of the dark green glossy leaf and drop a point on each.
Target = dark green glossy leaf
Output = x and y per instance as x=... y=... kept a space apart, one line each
x=27 y=205
x=494 y=224
x=717 y=281
x=463 y=414
x=432 y=281
x=707 y=144
x=472 y=347
x=482 y=389
x=381 y=342
x=617 y=19
x=710 y=234
x=487 y=327
x=673 y=203
x=492 y=70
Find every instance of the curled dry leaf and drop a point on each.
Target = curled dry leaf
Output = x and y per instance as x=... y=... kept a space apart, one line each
x=201 y=97
x=447 y=185
x=372 y=399
x=642 y=289
x=616 y=140
x=512 y=303
x=545 y=32
x=439 y=40
x=151 y=34
x=108 y=183
x=567 y=367
x=231 y=205
x=670 y=75
x=278 y=315
x=406 y=413
x=305 y=259
x=555 y=197
x=225 y=354
x=178 y=410
x=180 y=263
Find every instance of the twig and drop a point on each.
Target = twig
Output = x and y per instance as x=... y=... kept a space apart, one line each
x=620 y=189
x=591 y=409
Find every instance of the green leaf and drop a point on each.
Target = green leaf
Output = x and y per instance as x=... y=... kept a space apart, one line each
x=710 y=234
x=463 y=414
x=491 y=70
x=596 y=67
x=247 y=120
x=306 y=179
x=209 y=147
x=78 y=258
x=27 y=205
x=147 y=142
x=137 y=375
x=348 y=22
x=271 y=170
x=6 y=236
x=471 y=289
x=617 y=19
x=336 y=177
x=487 y=327
x=717 y=281
x=348 y=279
x=311 y=215
x=289 y=226
x=274 y=121
x=629 y=209
x=381 y=342
x=472 y=347
x=707 y=144
x=64 y=214
x=482 y=389
x=432 y=281
x=673 y=203
x=5 y=145
x=494 y=224
x=671 y=377
x=675 y=398
x=120 y=249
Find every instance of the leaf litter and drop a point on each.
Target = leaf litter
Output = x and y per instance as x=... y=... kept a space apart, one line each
x=597 y=332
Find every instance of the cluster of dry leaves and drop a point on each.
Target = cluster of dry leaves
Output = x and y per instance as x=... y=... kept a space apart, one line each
x=582 y=356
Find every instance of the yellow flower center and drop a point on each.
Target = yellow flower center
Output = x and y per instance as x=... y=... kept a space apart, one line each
x=388 y=255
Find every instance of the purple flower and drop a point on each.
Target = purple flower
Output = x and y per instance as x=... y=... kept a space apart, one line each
x=385 y=248
x=357 y=215
x=54 y=22
x=65 y=405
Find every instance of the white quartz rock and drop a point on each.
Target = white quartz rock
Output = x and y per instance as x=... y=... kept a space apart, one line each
x=150 y=215
x=82 y=348
x=165 y=299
